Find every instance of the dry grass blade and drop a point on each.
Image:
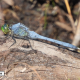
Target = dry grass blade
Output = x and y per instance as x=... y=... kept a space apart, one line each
x=9 y=2
x=35 y=71
x=72 y=23
x=70 y=16
x=77 y=35
x=68 y=7
x=62 y=25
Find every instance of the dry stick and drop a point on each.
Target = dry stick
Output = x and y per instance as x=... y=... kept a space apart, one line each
x=68 y=7
x=70 y=16
x=62 y=25
x=77 y=35
x=35 y=71
x=1 y=15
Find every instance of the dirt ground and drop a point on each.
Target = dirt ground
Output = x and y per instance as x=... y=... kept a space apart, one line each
x=36 y=66
x=42 y=63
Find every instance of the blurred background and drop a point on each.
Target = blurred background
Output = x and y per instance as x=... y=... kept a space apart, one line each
x=57 y=19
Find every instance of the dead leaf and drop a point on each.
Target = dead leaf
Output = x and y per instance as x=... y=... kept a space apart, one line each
x=12 y=12
x=9 y=2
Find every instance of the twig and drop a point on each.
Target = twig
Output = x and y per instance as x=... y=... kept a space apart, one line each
x=62 y=25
